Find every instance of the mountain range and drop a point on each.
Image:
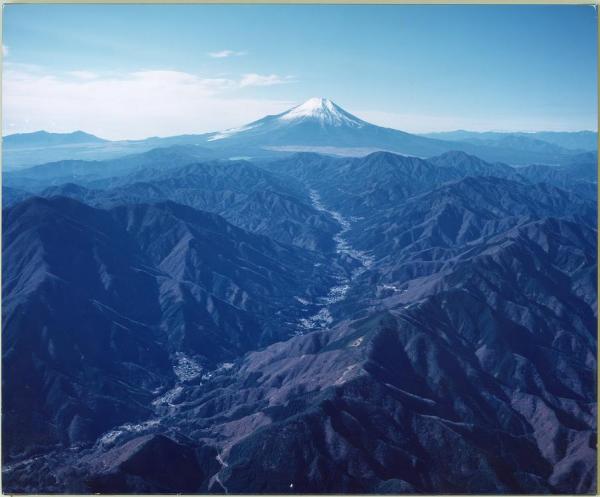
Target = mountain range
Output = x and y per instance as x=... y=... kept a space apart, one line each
x=291 y=319
x=576 y=140
x=317 y=125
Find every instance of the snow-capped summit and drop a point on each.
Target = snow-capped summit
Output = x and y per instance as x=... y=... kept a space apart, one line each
x=318 y=113
x=320 y=125
x=324 y=111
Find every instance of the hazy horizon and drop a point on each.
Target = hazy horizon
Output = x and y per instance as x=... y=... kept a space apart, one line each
x=134 y=71
x=208 y=132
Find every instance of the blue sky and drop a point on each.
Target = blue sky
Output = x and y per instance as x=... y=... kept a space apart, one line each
x=125 y=71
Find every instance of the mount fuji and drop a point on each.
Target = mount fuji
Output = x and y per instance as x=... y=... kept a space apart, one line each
x=317 y=125
x=321 y=125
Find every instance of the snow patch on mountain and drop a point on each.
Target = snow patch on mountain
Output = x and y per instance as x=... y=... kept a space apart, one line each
x=324 y=111
x=229 y=132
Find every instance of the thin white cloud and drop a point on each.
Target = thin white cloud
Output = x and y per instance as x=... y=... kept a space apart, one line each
x=225 y=53
x=254 y=79
x=83 y=74
x=4 y=51
x=134 y=105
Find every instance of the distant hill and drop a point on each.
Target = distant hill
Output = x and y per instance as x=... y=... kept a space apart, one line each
x=317 y=125
x=576 y=140
x=45 y=139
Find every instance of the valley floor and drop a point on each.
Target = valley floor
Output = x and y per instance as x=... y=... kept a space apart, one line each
x=310 y=325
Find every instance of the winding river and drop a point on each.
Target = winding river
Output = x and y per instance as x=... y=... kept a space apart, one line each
x=337 y=293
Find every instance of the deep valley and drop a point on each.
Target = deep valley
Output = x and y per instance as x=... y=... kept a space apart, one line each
x=178 y=321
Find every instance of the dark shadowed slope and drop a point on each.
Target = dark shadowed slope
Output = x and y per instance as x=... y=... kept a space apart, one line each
x=480 y=366
x=98 y=304
x=455 y=350
x=363 y=186
x=245 y=195
x=84 y=171
x=464 y=212
x=579 y=175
